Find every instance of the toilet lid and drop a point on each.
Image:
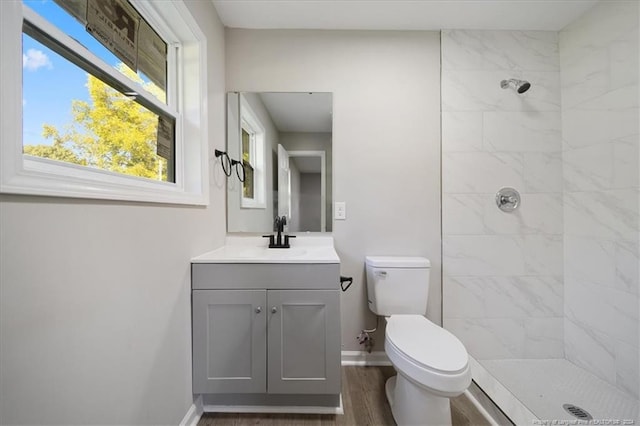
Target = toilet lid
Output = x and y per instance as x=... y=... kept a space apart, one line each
x=426 y=343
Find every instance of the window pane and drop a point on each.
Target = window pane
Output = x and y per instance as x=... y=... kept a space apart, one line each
x=73 y=23
x=246 y=146
x=72 y=116
x=248 y=184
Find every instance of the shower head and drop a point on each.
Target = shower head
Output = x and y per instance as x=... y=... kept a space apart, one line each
x=520 y=85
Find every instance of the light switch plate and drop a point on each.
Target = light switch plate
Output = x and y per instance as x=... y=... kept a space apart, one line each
x=340 y=210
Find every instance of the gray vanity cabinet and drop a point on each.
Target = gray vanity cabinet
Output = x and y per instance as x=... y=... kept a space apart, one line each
x=229 y=340
x=281 y=336
x=304 y=341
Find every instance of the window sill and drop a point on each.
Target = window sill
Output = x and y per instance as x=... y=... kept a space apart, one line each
x=252 y=205
x=40 y=177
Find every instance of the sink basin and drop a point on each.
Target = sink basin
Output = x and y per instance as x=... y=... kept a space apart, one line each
x=286 y=253
x=253 y=250
x=262 y=252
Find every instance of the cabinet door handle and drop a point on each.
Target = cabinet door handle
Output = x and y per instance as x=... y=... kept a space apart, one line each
x=274 y=310
x=258 y=309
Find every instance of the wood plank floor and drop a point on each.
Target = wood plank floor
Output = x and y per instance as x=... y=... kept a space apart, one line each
x=364 y=403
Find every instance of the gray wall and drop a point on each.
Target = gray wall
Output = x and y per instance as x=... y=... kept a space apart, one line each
x=386 y=139
x=502 y=286
x=600 y=129
x=95 y=295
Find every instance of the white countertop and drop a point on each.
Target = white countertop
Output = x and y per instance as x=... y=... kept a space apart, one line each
x=251 y=249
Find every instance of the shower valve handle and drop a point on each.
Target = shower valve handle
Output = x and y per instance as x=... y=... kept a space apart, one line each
x=507 y=199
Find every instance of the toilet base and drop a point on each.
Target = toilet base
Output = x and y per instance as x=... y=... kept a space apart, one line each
x=415 y=405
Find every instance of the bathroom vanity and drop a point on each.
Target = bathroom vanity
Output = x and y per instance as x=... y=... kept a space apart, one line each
x=266 y=326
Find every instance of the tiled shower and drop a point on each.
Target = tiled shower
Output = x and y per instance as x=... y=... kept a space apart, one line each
x=546 y=298
x=599 y=81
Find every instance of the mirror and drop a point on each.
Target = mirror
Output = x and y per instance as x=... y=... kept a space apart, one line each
x=281 y=144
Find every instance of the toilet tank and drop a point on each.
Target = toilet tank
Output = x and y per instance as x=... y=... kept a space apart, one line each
x=397 y=285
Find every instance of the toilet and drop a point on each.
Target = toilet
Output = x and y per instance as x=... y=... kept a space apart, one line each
x=432 y=364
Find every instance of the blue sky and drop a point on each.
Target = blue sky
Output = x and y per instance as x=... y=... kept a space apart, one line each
x=50 y=82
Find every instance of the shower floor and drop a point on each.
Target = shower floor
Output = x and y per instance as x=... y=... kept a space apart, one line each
x=543 y=386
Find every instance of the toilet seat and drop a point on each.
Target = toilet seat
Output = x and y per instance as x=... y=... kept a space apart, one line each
x=427 y=354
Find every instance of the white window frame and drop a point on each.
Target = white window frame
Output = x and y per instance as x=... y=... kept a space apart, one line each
x=249 y=120
x=23 y=174
x=246 y=128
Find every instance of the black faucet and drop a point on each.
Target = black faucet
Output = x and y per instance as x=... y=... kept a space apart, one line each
x=276 y=241
x=278 y=226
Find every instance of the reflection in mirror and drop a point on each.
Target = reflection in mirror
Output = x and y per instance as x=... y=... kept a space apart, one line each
x=283 y=142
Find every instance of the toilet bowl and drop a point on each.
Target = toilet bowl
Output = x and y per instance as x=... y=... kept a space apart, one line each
x=432 y=364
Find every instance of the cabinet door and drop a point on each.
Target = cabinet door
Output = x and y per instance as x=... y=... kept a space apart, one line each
x=304 y=341
x=229 y=341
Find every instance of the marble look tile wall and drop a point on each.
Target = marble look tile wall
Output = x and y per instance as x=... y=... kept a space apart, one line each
x=503 y=286
x=600 y=130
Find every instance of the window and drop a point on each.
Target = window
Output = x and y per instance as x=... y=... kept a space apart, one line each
x=248 y=160
x=253 y=157
x=105 y=87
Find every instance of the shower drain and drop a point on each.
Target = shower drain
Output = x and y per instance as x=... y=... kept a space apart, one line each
x=577 y=412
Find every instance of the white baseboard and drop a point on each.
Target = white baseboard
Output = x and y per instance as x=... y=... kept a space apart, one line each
x=274 y=409
x=193 y=414
x=364 y=358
